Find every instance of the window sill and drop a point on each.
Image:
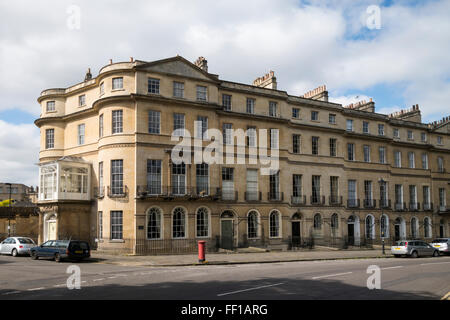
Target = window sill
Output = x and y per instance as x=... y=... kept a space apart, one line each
x=116 y=241
x=115 y=90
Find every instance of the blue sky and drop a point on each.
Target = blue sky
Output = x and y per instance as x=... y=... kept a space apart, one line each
x=306 y=43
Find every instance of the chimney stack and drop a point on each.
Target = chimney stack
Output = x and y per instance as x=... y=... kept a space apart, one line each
x=269 y=81
x=319 y=93
x=88 y=75
x=202 y=63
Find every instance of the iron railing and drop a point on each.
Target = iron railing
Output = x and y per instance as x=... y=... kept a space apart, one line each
x=369 y=203
x=385 y=204
x=352 y=203
x=225 y=195
x=298 y=200
x=317 y=200
x=275 y=196
x=414 y=206
x=335 y=200
x=117 y=192
x=176 y=192
x=253 y=196
x=99 y=192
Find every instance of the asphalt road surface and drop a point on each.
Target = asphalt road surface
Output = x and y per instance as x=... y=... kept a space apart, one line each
x=422 y=278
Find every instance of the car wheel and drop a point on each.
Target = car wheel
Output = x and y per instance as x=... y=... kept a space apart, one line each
x=14 y=253
x=436 y=253
x=57 y=257
x=34 y=255
x=414 y=254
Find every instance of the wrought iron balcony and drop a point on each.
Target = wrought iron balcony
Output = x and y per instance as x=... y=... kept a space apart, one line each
x=414 y=206
x=117 y=191
x=253 y=196
x=335 y=200
x=318 y=200
x=226 y=195
x=99 y=193
x=353 y=203
x=385 y=204
x=275 y=196
x=369 y=203
x=427 y=207
x=400 y=206
x=170 y=192
x=298 y=200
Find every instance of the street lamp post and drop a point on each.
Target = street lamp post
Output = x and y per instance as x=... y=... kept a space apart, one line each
x=9 y=215
x=382 y=184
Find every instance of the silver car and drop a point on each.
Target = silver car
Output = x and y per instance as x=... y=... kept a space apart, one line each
x=442 y=244
x=16 y=246
x=413 y=248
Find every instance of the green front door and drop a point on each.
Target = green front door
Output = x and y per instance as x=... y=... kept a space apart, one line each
x=227 y=237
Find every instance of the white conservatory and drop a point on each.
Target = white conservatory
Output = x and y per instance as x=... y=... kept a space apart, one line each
x=68 y=178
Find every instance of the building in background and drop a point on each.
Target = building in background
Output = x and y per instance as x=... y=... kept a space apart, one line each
x=347 y=175
x=22 y=217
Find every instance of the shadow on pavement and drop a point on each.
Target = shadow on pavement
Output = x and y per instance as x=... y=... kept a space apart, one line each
x=289 y=289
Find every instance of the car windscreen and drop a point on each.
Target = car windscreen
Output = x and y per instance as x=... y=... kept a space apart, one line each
x=401 y=243
x=77 y=245
x=25 y=241
x=440 y=241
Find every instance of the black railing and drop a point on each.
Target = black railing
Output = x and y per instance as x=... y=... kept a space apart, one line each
x=369 y=203
x=427 y=207
x=166 y=246
x=253 y=196
x=401 y=206
x=385 y=204
x=275 y=196
x=297 y=242
x=414 y=206
x=298 y=200
x=118 y=192
x=175 y=191
x=317 y=200
x=99 y=192
x=335 y=200
x=225 y=195
x=352 y=203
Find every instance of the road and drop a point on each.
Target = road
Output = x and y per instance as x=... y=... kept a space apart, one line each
x=422 y=278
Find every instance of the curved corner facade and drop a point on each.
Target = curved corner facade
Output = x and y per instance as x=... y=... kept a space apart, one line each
x=346 y=176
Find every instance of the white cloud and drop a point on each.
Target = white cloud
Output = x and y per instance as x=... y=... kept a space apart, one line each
x=346 y=100
x=19 y=150
x=306 y=44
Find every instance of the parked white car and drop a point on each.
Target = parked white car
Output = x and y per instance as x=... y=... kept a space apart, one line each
x=442 y=244
x=16 y=246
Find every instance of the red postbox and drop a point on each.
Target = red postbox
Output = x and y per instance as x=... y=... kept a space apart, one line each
x=201 y=251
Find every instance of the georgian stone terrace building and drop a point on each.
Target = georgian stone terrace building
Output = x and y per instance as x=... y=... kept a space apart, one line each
x=346 y=175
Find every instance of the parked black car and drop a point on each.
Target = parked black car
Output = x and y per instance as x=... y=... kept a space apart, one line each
x=62 y=249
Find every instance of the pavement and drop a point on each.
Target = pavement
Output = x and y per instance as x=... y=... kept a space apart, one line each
x=236 y=258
